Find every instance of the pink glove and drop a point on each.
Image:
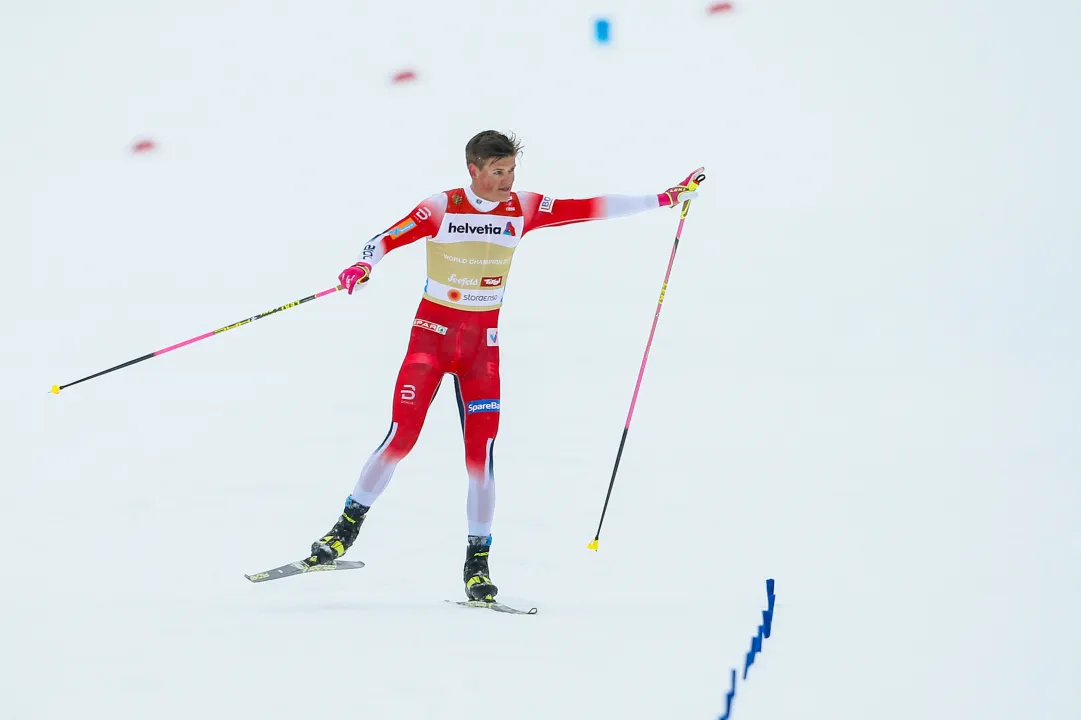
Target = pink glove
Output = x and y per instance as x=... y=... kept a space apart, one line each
x=354 y=275
x=686 y=190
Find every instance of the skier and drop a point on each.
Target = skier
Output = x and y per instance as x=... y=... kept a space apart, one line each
x=471 y=236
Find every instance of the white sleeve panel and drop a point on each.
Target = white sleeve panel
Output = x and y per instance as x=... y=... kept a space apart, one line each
x=620 y=205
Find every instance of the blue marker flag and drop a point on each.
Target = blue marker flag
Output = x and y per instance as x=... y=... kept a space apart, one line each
x=602 y=29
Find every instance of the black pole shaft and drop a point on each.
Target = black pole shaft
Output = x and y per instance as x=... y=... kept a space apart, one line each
x=103 y=372
x=612 y=482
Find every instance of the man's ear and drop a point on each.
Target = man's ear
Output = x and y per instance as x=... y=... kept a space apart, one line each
x=474 y=171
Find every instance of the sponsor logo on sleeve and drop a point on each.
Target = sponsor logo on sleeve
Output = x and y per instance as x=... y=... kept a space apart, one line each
x=429 y=325
x=546 y=204
x=482 y=406
x=403 y=227
x=492 y=282
x=493 y=337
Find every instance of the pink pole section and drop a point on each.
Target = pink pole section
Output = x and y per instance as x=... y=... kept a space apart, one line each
x=595 y=543
x=57 y=388
x=212 y=333
x=204 y=336
x=656 y=317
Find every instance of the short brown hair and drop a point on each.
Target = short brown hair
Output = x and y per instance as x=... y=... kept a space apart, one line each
x=491 y=145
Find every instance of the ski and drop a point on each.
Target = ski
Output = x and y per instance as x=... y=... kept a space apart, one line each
x=496 y=606
x=300 y=568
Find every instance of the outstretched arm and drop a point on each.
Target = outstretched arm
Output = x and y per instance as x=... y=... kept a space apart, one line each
x=423 y=221
x=545 y=211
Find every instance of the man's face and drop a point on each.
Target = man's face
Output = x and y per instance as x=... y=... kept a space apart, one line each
x=495 y=180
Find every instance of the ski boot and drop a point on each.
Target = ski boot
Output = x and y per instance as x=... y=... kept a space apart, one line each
x=334 y=544
x=478 y=586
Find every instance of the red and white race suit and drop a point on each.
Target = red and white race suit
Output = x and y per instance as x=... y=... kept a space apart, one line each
x=470 y=246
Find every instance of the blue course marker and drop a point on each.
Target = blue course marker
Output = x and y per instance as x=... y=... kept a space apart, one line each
x=764 y=631
x=603 y=30
x=728 y=698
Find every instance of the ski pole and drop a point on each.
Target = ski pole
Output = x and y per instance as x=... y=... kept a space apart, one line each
x=57 y=388
x=595 y=543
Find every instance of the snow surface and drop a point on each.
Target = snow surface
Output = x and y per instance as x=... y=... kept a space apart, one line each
x=864 y=382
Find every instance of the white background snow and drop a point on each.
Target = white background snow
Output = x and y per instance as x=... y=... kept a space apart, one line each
x=864 y=382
